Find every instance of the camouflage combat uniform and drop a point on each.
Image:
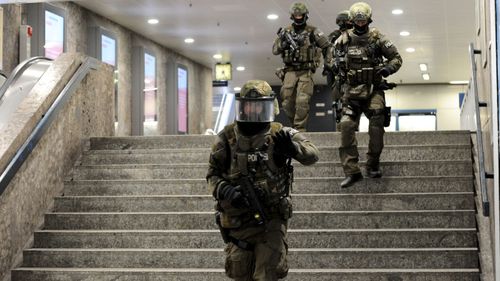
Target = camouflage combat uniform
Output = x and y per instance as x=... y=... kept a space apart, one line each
x=359 y=58
x=234 y=155
x=300 y=65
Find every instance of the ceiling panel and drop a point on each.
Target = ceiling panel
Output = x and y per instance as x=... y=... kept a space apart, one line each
x=440 y=31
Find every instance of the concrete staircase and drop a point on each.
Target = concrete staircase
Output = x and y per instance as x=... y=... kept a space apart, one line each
x=138 y=208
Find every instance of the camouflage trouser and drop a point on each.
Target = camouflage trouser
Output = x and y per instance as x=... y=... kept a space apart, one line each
x=267 y=261
x=295 y=94
x=374 y=110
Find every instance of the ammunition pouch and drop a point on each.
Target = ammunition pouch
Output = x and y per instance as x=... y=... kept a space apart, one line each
x=228 y=238
x=302 y=58
x=359 y=84
x=229 y=216
x=387 y=116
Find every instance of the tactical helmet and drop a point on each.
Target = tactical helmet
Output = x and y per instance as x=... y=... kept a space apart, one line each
x=299 y=9
x=360 y=11
x=256 y=102
x=343 y=20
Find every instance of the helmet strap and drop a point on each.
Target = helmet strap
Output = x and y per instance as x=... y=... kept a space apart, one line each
x=360 y=30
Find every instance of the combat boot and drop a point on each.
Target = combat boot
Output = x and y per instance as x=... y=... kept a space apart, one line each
x=373 y=172
x=351 y=179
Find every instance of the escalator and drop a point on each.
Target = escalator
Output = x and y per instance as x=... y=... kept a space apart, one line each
x=19 y=84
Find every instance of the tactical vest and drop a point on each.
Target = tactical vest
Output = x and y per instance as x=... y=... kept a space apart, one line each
x=306 y=56
x=255 y=155
x=362 y=56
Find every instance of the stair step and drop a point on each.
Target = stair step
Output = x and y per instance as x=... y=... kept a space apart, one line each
x=302 y=202
x=214 y=258
x=334 y=169
x=300 y=185
x=190 y=274
x=297 y=238
x=200 y=155
x=302 y=220
x=319 y=139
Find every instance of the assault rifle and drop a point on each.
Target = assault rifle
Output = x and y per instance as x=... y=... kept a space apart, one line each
x=247 y=186
x=286 y=36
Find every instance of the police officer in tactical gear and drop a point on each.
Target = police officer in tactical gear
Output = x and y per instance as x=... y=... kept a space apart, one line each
x=364 y=57
x=344 y=23
x=250 y=175
x=298 y=46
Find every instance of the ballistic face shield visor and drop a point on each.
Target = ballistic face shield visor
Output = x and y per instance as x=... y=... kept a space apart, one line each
x=258 y=109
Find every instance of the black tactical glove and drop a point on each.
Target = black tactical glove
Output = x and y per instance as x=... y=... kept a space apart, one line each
x=284 y=145
x=384 y=71
x=232 y=194
x=284 y=44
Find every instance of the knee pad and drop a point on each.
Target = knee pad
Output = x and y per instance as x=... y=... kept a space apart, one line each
x=348 y=124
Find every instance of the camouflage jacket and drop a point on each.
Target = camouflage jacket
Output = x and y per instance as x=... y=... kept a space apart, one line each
x=232 y=151
x=354 y=52
x=308 y=39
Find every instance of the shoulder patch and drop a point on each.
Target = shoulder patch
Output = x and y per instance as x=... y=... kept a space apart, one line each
x=388 y=44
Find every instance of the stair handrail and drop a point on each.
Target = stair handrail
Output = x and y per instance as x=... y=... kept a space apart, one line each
x=42 y=125
x=18 y=71
x=483 y=175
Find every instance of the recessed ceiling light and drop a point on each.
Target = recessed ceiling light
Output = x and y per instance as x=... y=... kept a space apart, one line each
x=217 y=56
x=423 y=67
x=237 y=89
x=426 y=76
x=240 y=68
x=410 y=50
x=189 y=40
x=459 y=82
x=272 y=17
x=153 y=21
x=397 y=12
x=404 y=33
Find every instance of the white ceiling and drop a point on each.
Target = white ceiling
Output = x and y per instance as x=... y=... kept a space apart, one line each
x=441 y=31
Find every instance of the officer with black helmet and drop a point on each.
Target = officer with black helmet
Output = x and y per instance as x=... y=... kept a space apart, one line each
x=250 y=176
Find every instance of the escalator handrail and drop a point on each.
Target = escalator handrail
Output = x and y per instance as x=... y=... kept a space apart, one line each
x=18 y=71
x=42 y=125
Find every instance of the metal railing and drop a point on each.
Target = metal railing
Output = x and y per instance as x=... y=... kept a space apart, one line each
x=483 y=175
x=42 y=125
